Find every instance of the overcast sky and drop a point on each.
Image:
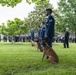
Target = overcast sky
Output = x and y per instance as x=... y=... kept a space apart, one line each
x=20 y=11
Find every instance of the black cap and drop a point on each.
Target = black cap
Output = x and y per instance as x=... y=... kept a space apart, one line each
x=49 y=10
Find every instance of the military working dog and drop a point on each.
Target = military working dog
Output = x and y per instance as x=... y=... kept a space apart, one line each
x=48 y=51
x=37 y=44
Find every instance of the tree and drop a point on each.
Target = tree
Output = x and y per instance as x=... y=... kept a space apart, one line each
x=0 y=29
x=39 y=15
x=14 y=28
x=13 y=3
x=57 y=22
x=67 y=9
x=4 y=29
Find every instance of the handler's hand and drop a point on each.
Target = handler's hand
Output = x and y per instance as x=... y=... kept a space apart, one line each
x=46 y=37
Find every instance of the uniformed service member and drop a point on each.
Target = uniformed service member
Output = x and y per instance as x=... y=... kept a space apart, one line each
x=66 y=38
x=43 y=30
x=32 y=34
x=39 y=32
x=50 y=24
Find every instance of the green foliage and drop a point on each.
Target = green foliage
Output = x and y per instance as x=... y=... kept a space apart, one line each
x=13 y=3
x=57 y=22
x=67 y=10
x=23 y=59
x=14 y=28
x=0 y=29
x=3 y=29
x=39 y=15
x=38 y=2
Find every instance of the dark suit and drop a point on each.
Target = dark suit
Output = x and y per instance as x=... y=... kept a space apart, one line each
x=50 y=29
x=66 y=39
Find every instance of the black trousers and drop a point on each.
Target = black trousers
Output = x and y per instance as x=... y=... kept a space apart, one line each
x=49 y=42
x=66 y=43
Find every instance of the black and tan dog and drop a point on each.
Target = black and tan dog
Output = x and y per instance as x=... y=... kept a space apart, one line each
x=37 y=44
x=48 y=51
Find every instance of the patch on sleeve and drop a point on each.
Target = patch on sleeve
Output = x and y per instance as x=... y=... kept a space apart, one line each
x=50 y=20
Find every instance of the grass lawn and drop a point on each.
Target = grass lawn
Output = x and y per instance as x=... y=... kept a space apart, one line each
x=23 y=59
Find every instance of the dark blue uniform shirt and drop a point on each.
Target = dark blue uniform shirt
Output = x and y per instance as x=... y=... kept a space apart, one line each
x=32 y=35
x=39 y=33
x=50 y=26
x=43 y=31
x=50 y=29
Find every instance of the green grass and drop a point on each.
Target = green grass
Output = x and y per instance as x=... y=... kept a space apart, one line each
x=23 y=59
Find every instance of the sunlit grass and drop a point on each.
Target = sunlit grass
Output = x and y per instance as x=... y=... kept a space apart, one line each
x=23 y=59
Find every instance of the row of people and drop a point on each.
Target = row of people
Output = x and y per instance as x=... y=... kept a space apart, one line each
x=47 y=30
x=16 y=38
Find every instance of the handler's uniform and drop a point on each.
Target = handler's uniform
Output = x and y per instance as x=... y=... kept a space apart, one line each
x=39 y=33
x=43 y=31
x=50 y=23
x=32 y=35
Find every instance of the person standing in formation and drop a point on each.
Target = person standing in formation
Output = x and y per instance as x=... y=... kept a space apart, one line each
x=66 y=38
x=50 y=25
